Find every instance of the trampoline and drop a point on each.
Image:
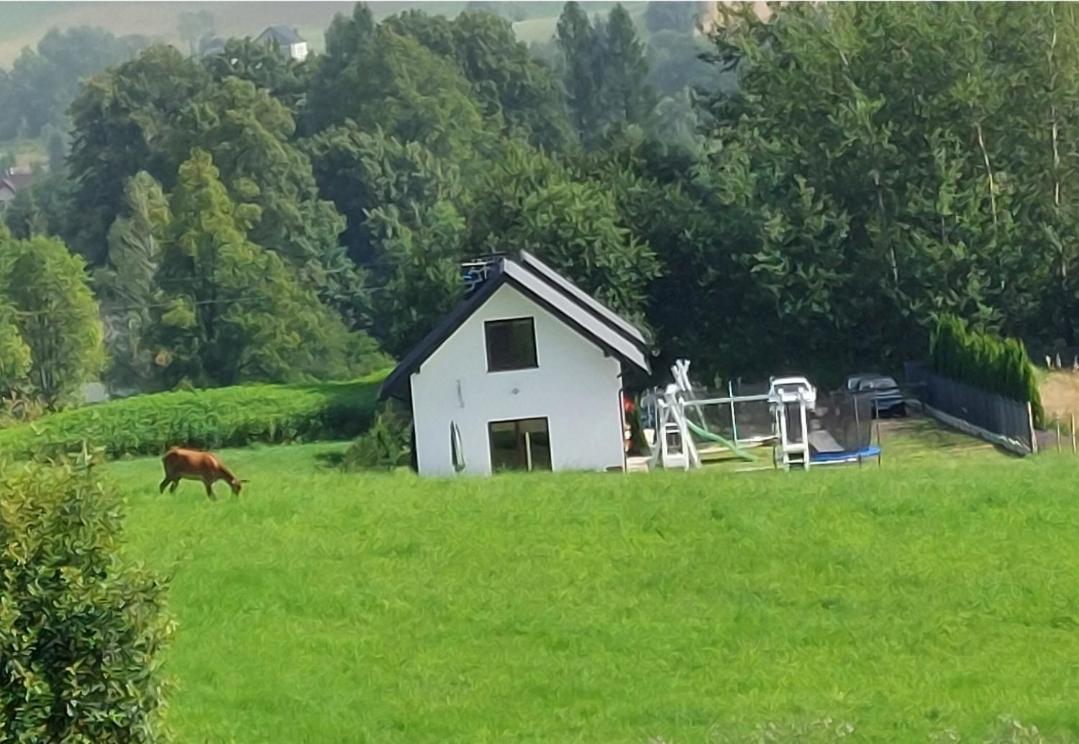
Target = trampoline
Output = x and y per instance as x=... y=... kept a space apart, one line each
x=834 y=458
x=843 y=431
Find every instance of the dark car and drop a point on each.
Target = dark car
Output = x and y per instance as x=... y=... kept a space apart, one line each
x=883 y=391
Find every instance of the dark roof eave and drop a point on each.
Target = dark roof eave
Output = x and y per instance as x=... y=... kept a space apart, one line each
x=570 y=306
x=604 y=313
x=427 y=346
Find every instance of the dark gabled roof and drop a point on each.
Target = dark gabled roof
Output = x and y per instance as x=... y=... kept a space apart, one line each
x=604 y=313
x=283 y=35
x=214 y=45
x=16 y=180
x=546 y=288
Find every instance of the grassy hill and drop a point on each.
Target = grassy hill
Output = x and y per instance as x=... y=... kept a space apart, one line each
x=920 y=601
x=216 y=417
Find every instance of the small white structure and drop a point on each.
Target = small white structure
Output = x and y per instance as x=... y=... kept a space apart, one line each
x=525 y=374
x=791 y=399
x=287 y=40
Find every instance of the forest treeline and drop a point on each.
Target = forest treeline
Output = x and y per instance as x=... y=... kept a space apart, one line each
x=808 y=192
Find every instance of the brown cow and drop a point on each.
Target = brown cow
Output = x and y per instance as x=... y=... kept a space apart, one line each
x=188 y=464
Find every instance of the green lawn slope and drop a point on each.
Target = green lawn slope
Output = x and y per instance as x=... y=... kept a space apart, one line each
x=928 y=599
x=219 y=417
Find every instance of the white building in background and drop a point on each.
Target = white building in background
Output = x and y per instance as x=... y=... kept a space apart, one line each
x=525 y=374
x=287 y=40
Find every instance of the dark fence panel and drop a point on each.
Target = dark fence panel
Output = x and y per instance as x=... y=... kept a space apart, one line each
x=989 y=411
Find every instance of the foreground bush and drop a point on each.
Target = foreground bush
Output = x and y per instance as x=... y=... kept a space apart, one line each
x=387 y=444
x=81 y=634
x=222 y=417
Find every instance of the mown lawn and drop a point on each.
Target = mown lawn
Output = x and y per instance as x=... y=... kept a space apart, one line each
x=928 y=598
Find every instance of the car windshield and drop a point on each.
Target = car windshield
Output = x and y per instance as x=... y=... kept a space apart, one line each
x=879 y=383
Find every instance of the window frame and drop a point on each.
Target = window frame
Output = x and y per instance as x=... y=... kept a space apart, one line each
x=504 y=321
x=529 y=465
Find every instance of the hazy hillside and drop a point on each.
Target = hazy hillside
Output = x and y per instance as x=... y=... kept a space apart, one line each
x=23 y=23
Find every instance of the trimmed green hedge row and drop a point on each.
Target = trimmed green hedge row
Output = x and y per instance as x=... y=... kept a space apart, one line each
x=982 y=360
x=223 y=417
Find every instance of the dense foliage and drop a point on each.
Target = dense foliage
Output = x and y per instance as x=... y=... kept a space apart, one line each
x=387 y=444
x=81 y=632
x=983 y=360
x=751 y=189
x=49 y=322
x=225 y=417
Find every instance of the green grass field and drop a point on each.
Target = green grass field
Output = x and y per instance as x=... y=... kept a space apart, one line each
x=918 y=601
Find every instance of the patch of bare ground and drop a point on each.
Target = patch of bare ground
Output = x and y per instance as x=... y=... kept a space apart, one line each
x=1060 y=395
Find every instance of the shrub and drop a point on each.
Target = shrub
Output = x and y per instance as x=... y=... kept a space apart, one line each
x=81 y=633
x=222 y=417
x=985 y=361
x=387 y=444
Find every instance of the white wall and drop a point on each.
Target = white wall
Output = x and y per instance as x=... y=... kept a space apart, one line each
x=298 y=51
x=576 y=387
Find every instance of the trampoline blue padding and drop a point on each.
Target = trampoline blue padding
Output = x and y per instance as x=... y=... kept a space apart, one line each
x=825 y=458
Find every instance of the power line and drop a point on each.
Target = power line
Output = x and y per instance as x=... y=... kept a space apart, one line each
x=160 y=305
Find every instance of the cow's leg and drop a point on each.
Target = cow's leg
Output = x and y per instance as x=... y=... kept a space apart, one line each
x=175 y=483
x=209 y=489
x=164 y=485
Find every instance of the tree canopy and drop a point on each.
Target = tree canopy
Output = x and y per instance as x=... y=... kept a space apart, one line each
x=751 y=192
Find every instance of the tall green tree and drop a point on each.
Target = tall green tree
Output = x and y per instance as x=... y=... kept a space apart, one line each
x=628 y=95
x=606 y=72
x=249 y=135
x=531 y=202
x=363 y=172
x=896 y=165
x=14 y=353
x=126 y=284
x=581 y=47
x=125 y=121
x=228 y=310
x=42 y=208
x=421 y=258
x=505 y=78
x=396 y=84
x=57 y=317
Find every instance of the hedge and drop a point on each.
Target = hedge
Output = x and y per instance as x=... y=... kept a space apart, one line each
x=982 y=360
x=222 y=417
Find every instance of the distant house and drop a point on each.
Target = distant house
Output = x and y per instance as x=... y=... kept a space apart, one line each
x=10 y=183
x=210 y=45
x=287 y=40
x=525 y=374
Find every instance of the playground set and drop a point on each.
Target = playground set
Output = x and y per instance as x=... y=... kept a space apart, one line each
x=690 y=426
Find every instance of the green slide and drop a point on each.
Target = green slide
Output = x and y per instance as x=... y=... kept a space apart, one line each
x=705 y=434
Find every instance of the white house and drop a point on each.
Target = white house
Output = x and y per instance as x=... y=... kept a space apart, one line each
x=287 y=40
x=11 y=181
x=525 y=374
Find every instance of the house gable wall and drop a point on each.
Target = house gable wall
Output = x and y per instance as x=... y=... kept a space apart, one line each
x=576 y=387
